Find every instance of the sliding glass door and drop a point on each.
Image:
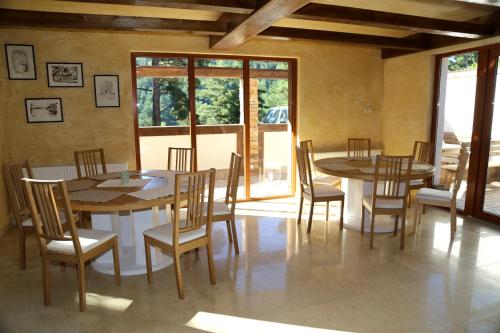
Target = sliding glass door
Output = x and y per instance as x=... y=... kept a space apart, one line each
x=219 y=105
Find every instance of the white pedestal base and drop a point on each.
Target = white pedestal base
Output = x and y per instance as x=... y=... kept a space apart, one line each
x=129 y=227
x=355 y=189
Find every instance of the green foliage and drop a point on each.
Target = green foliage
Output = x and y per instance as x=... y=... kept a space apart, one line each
x=272 y=93
x=463 y=61
x=217 y=101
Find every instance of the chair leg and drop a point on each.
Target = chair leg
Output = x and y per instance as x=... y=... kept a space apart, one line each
x=116 y=262
x=363 y=209
x=149 y=269
x=403 y=231
x=309 y=223
x=229 y=233
x=22 y=249
x=235 y=236
x=46 y=281
x=453 y=220
x=372 y=229
x=80 y=267
x=341 y=225
x=300 y=208
x=423 y=209
x=327 y=210
x=178 y=275
x=396 y=224
x=197 y=253
x=211 y=268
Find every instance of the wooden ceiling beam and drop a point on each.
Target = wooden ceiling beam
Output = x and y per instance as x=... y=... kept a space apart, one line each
x=348 y=15
x=227 y=6
x=268 y=14
x=22 y=18
x=369 y=40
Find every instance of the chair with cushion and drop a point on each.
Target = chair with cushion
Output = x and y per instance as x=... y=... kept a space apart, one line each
x=189 y=230
x=390 y=192
x=76 y=246
x=318 y=177
x=358 y=148
x=180 y=159
x=422 y=153
x=18 y=202
x=443 y=198
x=315 y=192
x=90 y=162
x=224 y=211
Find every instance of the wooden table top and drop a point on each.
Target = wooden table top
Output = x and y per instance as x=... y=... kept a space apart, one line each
x=127 y=202
x=363 y=169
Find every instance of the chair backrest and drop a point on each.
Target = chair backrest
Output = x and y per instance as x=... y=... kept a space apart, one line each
x=233 y=180
x=422 y=151
x=90 y=160
x=358 y=147
x=190 y=190
x=308 y=145
x=463 y=157
x=392 y=178
x=18 y=200
x=305 y=169
x=43 y=198
x=180 y=159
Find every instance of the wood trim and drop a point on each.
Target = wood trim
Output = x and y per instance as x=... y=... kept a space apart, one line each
x=373 y=18
x=136 y=112
x=192 y=109
x=26 y=18
x=246 y=118
x=293 y=116
x=271 y=12
x=435 y=102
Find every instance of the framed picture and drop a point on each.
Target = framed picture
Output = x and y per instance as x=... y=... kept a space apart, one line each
x=44 y=110
x=107 y=91
x=65 y=74
x=20 y=62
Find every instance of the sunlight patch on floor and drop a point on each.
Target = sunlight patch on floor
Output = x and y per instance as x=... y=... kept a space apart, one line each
x=217 y=323
x=106 y=302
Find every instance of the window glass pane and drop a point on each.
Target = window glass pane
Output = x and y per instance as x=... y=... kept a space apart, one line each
x=269 y=65
x=228 y=63
x=162 y=62
x=218 y=101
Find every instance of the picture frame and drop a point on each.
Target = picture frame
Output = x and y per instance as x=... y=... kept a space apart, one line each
x=65 y=74
x=107 y=91
x=44 y=110
x=20 y=59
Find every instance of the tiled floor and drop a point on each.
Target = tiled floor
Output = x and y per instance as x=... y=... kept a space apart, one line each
x=328 y=280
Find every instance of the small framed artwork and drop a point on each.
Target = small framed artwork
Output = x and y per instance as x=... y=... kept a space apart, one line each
x=65 y=74
x=20 y=62
x=107 y=91
x=44 y=110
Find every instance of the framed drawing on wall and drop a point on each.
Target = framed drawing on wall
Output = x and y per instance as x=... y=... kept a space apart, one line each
x=44 y=110
x=65 y=74
x=20 y=62
x=107 y=91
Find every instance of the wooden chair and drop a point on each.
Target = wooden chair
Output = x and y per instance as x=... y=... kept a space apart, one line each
x=358 y=148
x=180 y=159
x=422 y=153
x=390 y=192
x=92 y=161
x=191 y=232
x=317 y=176
x=75 y=246
x=315 y=192
x=442 y=198
x=224 y=211
x=18 y=202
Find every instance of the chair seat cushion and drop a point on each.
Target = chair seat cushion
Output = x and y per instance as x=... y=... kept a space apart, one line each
x=165 y=233
x=89 y=239
x=431 y=196
x=382 y=203
x=220 y=208
x=322 y=190
x=417 y=182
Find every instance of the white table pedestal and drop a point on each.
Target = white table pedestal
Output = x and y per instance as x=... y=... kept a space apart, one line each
x=354 y=190
x=129 y=226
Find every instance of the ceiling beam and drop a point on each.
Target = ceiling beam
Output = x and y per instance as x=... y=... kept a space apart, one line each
x=22 y=18
x=375 y=41
x=227 y=6
x=348 y=15
x=261 y=19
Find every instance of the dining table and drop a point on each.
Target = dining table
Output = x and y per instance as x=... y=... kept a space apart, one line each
x=126 y=203
x=357 y=180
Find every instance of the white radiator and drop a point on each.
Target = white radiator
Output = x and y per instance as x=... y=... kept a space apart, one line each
x=68 y=172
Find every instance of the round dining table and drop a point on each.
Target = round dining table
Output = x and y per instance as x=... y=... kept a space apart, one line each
x=126 y=207
x=357 y=180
